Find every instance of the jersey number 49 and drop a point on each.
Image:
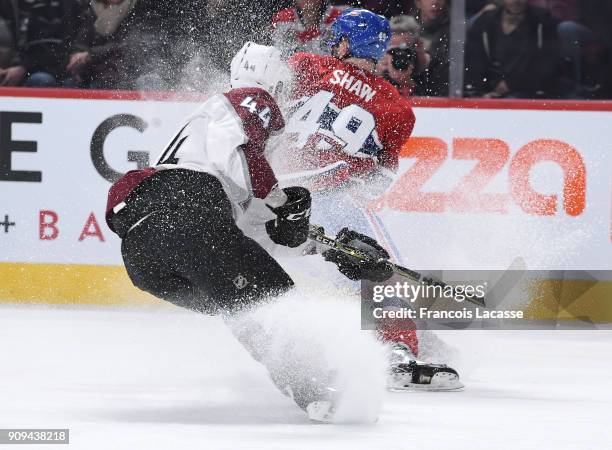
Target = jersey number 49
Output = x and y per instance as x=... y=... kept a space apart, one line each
x=318 y=123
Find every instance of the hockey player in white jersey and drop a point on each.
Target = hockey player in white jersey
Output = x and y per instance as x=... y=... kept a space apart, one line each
x=178 y=219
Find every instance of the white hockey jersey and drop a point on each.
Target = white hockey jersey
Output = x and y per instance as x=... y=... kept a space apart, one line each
x=226 y=137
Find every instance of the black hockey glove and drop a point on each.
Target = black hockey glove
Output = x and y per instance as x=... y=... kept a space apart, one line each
x=373 y=269
x=290 y=228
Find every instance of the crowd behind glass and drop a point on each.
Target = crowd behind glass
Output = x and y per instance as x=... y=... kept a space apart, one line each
x=512 y=48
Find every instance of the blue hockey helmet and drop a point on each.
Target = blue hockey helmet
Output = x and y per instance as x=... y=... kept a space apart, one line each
x=368 y=34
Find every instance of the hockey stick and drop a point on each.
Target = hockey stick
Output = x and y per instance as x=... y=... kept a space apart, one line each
x=317 y=234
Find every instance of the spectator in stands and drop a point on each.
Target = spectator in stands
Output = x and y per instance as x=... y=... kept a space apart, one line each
x=104 y=58
x=406 y=30
x=406 y=56
x=387 y=8
x=560 y=10
x=435 y=30
x=598 y=15
x=136 y=44
x=512 y=52
x=346 y=3
x=156 y=39
x=390 y=8
x=476 y=8
x=302 y=26
x=230 y=23
x=398 y=65
x=165 y=45
x=43 y=34
x=585 y=37
x=473 y=7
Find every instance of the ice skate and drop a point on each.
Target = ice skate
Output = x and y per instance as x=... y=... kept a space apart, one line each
x=409 y=374
x=317 y=398
x=323 y=401
x=321 y=411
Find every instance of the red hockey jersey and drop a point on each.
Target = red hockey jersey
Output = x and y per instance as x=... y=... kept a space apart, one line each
x=344 y=122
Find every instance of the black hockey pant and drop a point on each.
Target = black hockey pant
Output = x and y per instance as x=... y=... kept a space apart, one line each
x=197 y=258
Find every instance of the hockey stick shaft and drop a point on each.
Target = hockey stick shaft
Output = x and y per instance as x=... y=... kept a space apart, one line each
x=316 y=234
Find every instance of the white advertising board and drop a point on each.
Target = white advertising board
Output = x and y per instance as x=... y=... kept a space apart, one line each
x=476 y=187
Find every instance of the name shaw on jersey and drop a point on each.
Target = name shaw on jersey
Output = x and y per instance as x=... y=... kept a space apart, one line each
x=357 y=87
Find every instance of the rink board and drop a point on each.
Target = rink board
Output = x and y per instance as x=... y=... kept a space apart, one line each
x=70 y=284
x=480 y=184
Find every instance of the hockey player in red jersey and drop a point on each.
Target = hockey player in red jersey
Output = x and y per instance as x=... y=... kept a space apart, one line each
x=345 y=130
x=346 y=125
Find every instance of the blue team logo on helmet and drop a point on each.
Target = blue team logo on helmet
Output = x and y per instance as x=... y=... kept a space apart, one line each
x=368 y=34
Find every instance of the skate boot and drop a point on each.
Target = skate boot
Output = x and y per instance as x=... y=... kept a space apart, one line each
x=316 y=397
x=322 y=410
x=410 y=374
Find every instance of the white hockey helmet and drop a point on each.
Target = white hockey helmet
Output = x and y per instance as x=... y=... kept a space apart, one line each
x=260 y=66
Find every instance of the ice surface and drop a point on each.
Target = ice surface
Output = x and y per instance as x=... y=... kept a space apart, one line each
x=168 y=379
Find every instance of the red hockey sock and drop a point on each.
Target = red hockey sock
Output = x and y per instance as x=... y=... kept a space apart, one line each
x=391 y=331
